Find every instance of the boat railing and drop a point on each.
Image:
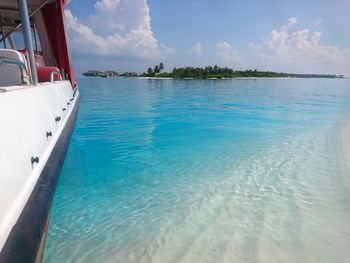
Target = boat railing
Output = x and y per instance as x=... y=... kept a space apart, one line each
x=53 y=73
x=25 y=75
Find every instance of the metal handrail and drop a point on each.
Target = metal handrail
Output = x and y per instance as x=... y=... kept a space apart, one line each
x=27 y=37
x=52 y=75
x=10 y=61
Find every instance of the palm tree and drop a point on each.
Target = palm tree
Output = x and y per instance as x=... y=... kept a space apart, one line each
x=156 y=69
x=150 y=72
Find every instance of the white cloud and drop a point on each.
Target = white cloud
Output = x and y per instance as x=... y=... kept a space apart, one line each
x=300 y=51
x=292 y=21
x=197 y=49
x=118 y=28
x=228 y=55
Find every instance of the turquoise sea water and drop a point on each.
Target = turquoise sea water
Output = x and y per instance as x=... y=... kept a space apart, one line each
x=204 y=171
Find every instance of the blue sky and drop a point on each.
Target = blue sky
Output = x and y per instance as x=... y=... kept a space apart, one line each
x=130 y=35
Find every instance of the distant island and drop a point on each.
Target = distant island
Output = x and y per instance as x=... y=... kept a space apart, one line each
x=108 y=74
x=209 y=72
x=216 y=72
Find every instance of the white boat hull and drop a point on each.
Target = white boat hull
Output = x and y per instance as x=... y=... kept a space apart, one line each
x=36 y=124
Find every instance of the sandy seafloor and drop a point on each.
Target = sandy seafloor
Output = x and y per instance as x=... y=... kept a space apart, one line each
x=247 y=171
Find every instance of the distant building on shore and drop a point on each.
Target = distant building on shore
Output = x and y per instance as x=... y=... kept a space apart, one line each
x=93 y=73
x=111 y=73
x=96 y=73
x=129 y=74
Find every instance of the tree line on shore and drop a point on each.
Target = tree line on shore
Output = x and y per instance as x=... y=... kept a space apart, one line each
x=216 y=72
x=209 y=72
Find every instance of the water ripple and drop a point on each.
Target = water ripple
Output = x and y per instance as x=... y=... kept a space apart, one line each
x=204 y=171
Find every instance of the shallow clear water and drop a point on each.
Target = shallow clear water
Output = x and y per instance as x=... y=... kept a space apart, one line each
x=204 y=171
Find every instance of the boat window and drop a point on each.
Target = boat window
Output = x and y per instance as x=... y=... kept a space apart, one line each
x=18 y=40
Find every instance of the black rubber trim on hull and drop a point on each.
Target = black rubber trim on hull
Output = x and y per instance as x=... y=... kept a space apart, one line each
x=23 y=242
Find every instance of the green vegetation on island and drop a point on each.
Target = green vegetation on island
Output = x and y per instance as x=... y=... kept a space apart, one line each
x=209 y=72
x=216 y=72
x=156 y=71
